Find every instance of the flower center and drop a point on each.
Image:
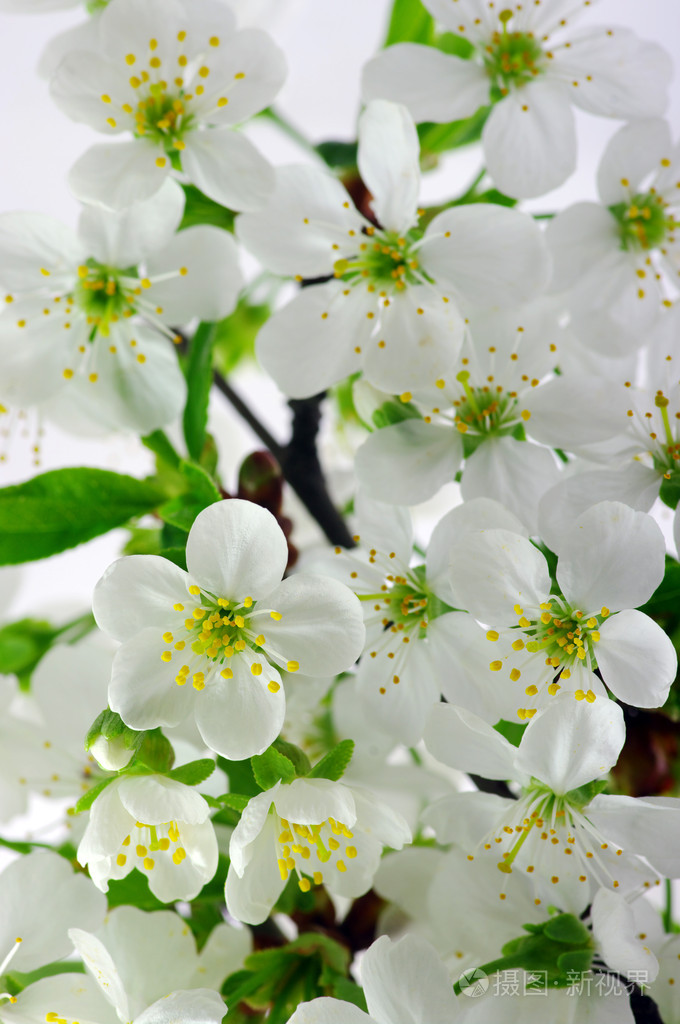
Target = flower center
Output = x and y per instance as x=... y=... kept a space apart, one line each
x=512 y=59
x=217 y=630
x=643 y=221
x=388 y=260
x=666 y=448
x=150 y=843
x=309 y=850
x=162 y=117
x=101 y=295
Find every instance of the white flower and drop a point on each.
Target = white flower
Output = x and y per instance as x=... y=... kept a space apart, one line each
x=157 y=825
x=176 y=75
x=85 y=313
x=617 y=259
x=392 y=308
x=569 y=840
x=225 y=628
x=403 y=981
x=324 y=832
x=478 y=412
x=530 y=65
x=413 y=639
x=611 y=561
x=138 y=958
x=41 y=899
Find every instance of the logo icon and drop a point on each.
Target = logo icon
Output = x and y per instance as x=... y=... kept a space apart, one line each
x=473 y=982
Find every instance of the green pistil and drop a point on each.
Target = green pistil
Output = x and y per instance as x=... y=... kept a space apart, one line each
x=564 y=635
x=384 y=260
x=643 y=222
x=162 y=117
x=100 y=294
x=221 y=630
x=512 y=59
x=482 y=410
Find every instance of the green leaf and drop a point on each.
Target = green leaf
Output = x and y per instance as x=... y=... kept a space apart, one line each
x=665 y=601
x=350 y=992
x=452 y=43
x=235 y=335
x=199 y=376
x=159 y=443
x=270 y=767
x=568 y=929
x=492 y=195
x=393 y=411
x=181 y=511
x=133 y=890
x=87 y=799
x=333 y=765
x=293 y=753
x=240 y=775
x=439 y=138
x=66 y=507
x=154 y=753
x=143 y=542
x=22 y=645
x=670 y=490
x=409 y=23
x=198 y=209
x=340 y=155
x=512 y=731
x=237 y=801
x=194 y=772
x=176 y=555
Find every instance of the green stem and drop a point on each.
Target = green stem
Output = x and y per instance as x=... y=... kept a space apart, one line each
x=503 y=963
x=668 y=908
x=77 y=629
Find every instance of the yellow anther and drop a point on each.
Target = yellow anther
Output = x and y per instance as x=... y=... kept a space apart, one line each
x=148 y=863
x=259 y=640
x=517 y=645
x=67 y=374
x=179 y=854
x=183 y=271
x=239 y=621
x=341 y=866
x=106 y=98
x=531 y=691
x=256 y=669
x=492 y=635
x=553 y=688
x=193 y=589
x=496 y=666
x=515 y=674
x=351 y=852
x=273 y=686
x=166 y=656
x=141 y=851
x=199 y=613
x=304 y=884
x=590 y=697
x=227 y=673
x=546 y=617
x=293 y=666
x=518 y=610
x=248 y=602
x=406 y=396
x=604 y=612
x=168 y=638
x=121 y=859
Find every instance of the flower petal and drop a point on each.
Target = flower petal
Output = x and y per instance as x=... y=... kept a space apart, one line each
x=251 y=897
x=118 y=174
x=637 y=659
x=139 y=591
x=126 y=238
x=329 y=1011
x=236 y=549
x=389 y=164
x=248 y=69
x=570 y=742
x=614 y=930
x=632 y=154
x=466 y=249
x=460 y=739
x=97 y=959
x=612 y=557
x=241 y=717
x=530 y=140
x=31 y=243
x=433 y=86
x=228 y=168
x=579 y=238
x=408 y=462
x=199 y=1006
x=406 y=981
x=143 y=689
x=321 y=625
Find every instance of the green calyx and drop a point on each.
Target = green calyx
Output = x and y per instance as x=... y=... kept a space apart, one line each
x=95 y=6
x=643 y=222
x=486 y=411
x=102 y=296
x=512 y=59
x=555 y=952
x=385 y=260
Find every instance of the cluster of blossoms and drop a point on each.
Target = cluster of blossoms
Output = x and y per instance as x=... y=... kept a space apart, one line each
x=417 y=742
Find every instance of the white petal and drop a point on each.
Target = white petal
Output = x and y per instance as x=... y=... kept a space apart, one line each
x=614 y=930
x=384 y=527
x=224 y=952
x=408 y=462
x=632 y=154
x=434 y=86
x=329 y=1011
x=228 y=168
x=568 y=412
x=156 y=799
x=321 y=626
x=460 y=739
x=311 y=801
x=76 y=995
x=612 y=557
x=80 y=81
x=248 y=69
x=158 y=699
x=312 y=342
x=32 y=242
x=102 y=968
x=236 y=549
x=618 y=74
x=648 y=827
x=475 y=514
x=126 y=238
x=209 y=288
x=199 y=1006
x=379 y=820
x=637 y=659
x=251 y=897
x=388 y=161
x=241 y=717
x=422 y=337
x=496 y=570
x=458 y=653
x=514 y=473
x=307 y=213
x=118 y=174
x=579 y=238
x=406 y=981
x=400 y=707
x=571 y=742
x=466 y=249
x=530 y=140
x=139 y=591
x=248 y=829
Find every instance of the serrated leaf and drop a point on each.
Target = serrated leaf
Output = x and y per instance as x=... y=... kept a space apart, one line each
x=201 y=492
x=568 y=929
x=194 y=772
x=237 y=801
x=87 y=799
x=199 y=375
x=333 y=765
x=270 y=767
x=66 y=507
